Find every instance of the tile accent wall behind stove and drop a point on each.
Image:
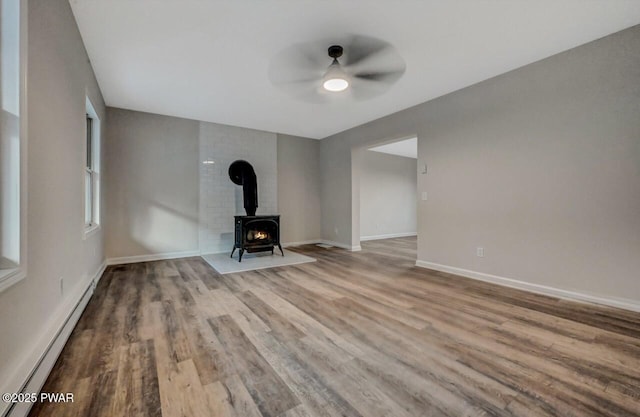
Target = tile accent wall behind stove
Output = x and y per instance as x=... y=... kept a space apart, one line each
x=221 y=199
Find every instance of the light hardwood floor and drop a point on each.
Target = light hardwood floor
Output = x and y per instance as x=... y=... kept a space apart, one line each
x=354 y=334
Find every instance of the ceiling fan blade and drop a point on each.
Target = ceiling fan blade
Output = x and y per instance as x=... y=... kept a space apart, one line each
x=384 y=60
x=304 y=90
x=296 y=63
x=359 y=47
x=298 y=81
x=386 y=77
x=364 y=53
x=365 y=89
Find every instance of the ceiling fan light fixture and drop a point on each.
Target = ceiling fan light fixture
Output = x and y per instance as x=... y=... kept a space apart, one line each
x=367 y=69
x=335 y=84
x=335 y=79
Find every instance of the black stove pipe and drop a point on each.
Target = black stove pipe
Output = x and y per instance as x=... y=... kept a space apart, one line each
x=242 y=173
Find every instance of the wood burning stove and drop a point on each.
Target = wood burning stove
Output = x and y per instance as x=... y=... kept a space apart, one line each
x=252 y=233
x=256 y=234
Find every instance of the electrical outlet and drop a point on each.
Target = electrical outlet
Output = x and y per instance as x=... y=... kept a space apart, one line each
x=335 y=230
x=424 y=196
x=480 y=252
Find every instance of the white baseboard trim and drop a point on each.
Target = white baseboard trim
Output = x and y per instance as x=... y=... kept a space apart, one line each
x=208 y=253
x=625 y=304
x=152 y=257
x=303 y=242
x=355 y=248
x=37 y=364
x=387 y=236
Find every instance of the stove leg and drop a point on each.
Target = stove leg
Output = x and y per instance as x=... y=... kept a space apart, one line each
x=233 y=251
x=241 y=253
x=281 y=251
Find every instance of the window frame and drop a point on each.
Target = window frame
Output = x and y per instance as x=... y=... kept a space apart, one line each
x=92 y=168
x=12 y=275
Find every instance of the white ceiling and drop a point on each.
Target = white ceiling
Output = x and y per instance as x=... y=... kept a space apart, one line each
x=406 y=147
x=209 y=60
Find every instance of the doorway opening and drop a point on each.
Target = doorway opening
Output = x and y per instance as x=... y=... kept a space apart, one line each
x=386 y=177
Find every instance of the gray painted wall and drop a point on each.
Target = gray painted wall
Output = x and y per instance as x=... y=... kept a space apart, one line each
x=59 y=79
x=152 y=184
x=540 y=166
x=162 y=199
x=388 y=186
x=299 y=189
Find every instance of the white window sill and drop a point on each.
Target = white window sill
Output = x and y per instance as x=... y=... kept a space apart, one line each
x=91 y=230
x=10 y=276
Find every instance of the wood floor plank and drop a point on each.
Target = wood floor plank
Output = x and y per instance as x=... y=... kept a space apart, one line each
x=355 y=334
x=303 y=321
x=137 y=379
x=230 y=398
x=317 y=397
x=276 y=322
x=207 y=353
x=270 y=393
x=174 y=334
x=229 y=305
x=299 y=411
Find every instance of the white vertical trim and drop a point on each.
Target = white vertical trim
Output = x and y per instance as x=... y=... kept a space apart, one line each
x=24 y=133
x=95 y=177
x=18 y=273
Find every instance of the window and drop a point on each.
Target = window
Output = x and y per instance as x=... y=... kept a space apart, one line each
x=12 y=137
x=92 y=172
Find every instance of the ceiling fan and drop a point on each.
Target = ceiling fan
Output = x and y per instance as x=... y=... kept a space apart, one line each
x=360 y=67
